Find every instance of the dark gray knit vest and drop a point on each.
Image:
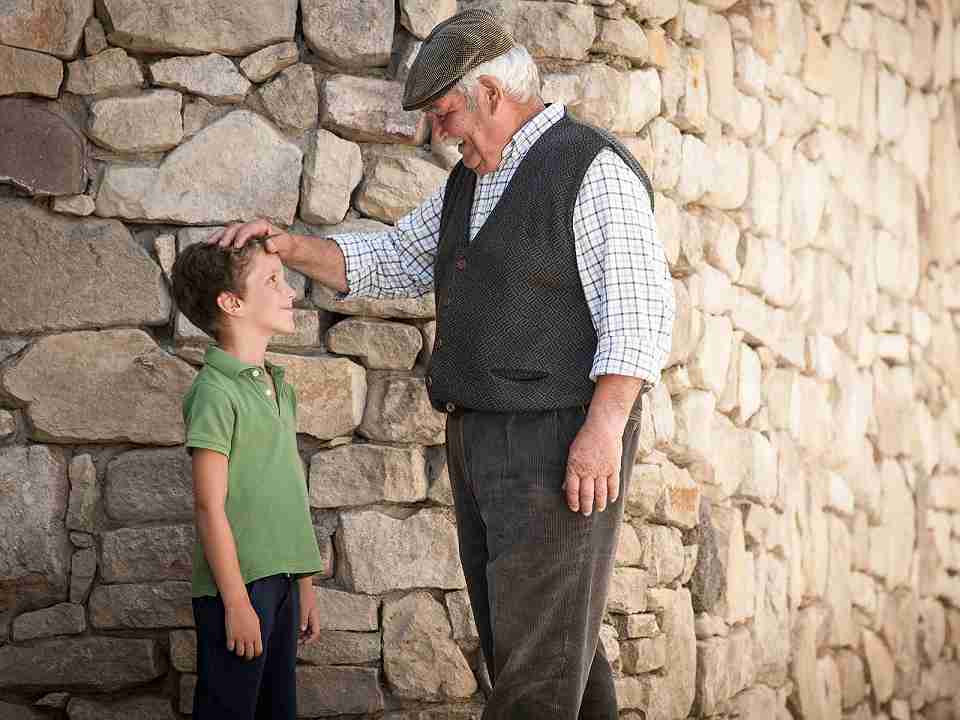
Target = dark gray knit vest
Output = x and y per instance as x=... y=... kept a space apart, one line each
x=514 y=332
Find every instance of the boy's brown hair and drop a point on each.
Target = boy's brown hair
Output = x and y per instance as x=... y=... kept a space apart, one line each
x=201 y=272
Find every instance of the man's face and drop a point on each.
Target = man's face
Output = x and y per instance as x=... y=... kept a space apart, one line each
x=452 y=121
x=267 y=300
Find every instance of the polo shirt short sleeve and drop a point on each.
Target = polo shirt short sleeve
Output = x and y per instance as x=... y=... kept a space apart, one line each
x=233 y=409
x=210 y=418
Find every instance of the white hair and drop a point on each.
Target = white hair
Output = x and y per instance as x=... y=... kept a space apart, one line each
x=516 y=71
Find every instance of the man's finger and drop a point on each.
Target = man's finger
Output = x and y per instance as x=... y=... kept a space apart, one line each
x=586 y=495
x=572 y=490
x=600 y=494
x=225 y=236
x=258 y=648
x=613 y=487
x=215 y=237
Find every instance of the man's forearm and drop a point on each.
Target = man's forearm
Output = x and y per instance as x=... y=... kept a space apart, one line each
x=613 y=399
x=320 y=258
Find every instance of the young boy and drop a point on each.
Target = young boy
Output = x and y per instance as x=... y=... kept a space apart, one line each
x=256 y=547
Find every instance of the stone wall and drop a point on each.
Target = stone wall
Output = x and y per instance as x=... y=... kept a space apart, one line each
x=792 y=546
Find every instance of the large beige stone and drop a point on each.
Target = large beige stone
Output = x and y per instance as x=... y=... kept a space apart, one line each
x=62 y=619
x=330 y=393
x=264 y=64
x=238 y=168
x=738 y=563
x=880 y=665
x=348 y=34
x=421 y=16
x=141 y=607
x=228 y=27
x=555 y=29
x=97 y=664
x=398 y=410
x=84 y=494
x=50 y=26
x=623 y=37
x=381 y=554
x=212 y=77
x=148 y=708
x=396 y=180
x=420 y=658
x=145 y=554
x=380 y=345
x=671 y=693
x=711 y=359
x=338 y=647
x=891 y=542
x=332 y=169
x=150 y=122
x=697 y=169
x=35 y=549
x=324 y=691
x=719 y=63
x=664 y=494
x=346 y=611
x=135 y=385
x=363 y=474
x=729 y=187
x=627 y=592
x=369 y=110
x=26 y=71
x=112 y=281
x=291 y=98
x=110 y=72
x=692 y=107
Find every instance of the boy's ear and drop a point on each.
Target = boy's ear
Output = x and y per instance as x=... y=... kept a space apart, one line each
x=229 y=303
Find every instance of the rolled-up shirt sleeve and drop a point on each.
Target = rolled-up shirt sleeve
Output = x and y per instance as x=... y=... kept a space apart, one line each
x=623 y=271
x=396 y=262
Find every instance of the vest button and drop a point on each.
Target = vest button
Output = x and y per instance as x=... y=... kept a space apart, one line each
x=461 y=263
x=451 y=407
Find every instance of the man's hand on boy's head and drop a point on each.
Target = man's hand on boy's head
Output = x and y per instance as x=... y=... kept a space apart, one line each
x=309 y=613
x=239 y=234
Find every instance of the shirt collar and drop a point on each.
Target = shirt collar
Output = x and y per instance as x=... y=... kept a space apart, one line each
x=532 y=131
x=226 y=363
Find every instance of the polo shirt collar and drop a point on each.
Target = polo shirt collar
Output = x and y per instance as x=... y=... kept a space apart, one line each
x=226 y=363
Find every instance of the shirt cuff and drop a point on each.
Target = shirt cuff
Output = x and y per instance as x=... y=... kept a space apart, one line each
x=622 y=357
x=351 y=245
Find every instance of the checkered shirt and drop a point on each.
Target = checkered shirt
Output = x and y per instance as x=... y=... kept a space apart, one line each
x=619 y=258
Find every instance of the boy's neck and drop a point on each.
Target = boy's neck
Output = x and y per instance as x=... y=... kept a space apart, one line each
x=249 y=349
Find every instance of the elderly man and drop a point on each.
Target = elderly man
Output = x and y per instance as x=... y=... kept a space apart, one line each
x=554 y=312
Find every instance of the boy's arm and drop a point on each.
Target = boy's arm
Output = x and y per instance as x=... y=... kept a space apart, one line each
x=216 y=538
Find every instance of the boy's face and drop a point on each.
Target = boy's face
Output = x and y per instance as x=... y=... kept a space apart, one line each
x=267 y=302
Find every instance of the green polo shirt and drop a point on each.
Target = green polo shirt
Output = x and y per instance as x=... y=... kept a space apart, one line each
x=230 y=408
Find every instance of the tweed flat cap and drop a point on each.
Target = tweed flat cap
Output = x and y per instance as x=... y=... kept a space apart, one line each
x=453 y=48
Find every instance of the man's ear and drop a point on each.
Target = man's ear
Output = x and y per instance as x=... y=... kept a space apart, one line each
x=229 y=303
x=492 y=90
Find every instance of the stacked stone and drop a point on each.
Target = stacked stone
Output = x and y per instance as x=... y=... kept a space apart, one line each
x=792 y=536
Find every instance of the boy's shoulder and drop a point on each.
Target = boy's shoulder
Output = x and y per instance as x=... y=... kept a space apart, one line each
x=209 y=382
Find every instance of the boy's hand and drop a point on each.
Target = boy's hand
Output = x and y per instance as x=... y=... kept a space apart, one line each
x=243 y=631
x=309 y=614
x=238 y=234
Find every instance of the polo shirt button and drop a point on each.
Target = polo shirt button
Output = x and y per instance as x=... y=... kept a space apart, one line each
x=461 y=263
x=256 y=373
x=269 y=393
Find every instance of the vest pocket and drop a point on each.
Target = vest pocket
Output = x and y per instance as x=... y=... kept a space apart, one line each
x=519 y=374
